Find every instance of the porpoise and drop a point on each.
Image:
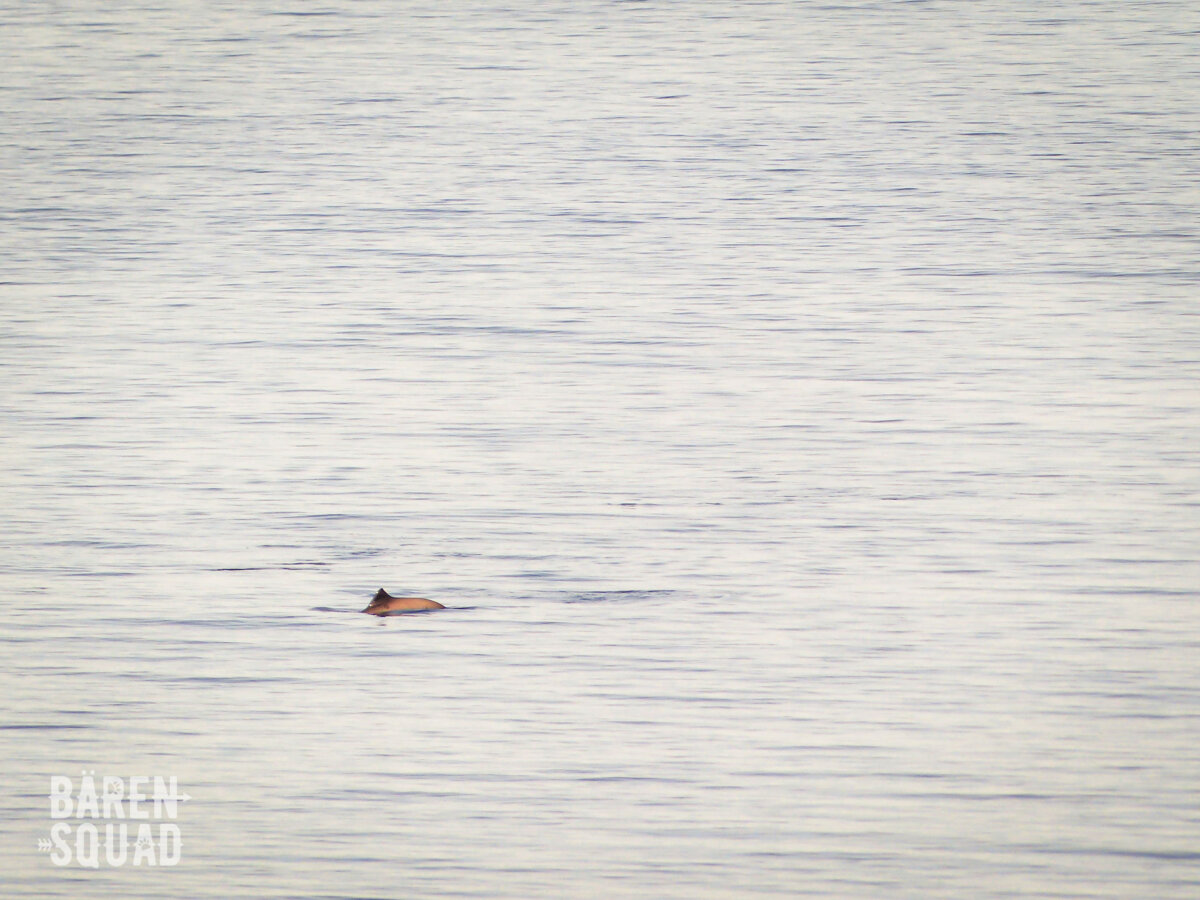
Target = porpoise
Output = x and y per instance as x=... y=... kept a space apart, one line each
x=383 y=602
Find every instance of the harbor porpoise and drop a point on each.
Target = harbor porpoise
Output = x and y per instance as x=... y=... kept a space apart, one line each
x=383 y=603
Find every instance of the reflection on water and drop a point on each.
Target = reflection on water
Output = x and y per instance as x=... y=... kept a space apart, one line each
x=794 y=406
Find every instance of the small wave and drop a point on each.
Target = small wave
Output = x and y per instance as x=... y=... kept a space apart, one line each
x=615 y=596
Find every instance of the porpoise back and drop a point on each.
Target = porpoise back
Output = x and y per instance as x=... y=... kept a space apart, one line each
x=383 y=602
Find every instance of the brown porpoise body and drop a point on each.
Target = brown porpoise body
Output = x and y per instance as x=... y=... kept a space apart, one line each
x=383 y=602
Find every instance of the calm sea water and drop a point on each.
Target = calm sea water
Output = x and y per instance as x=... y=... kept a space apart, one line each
x=796 y=405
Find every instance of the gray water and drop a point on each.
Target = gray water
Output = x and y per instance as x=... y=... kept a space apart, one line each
x=795 y=404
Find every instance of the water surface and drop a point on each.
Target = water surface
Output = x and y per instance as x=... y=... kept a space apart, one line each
x=795 y=404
